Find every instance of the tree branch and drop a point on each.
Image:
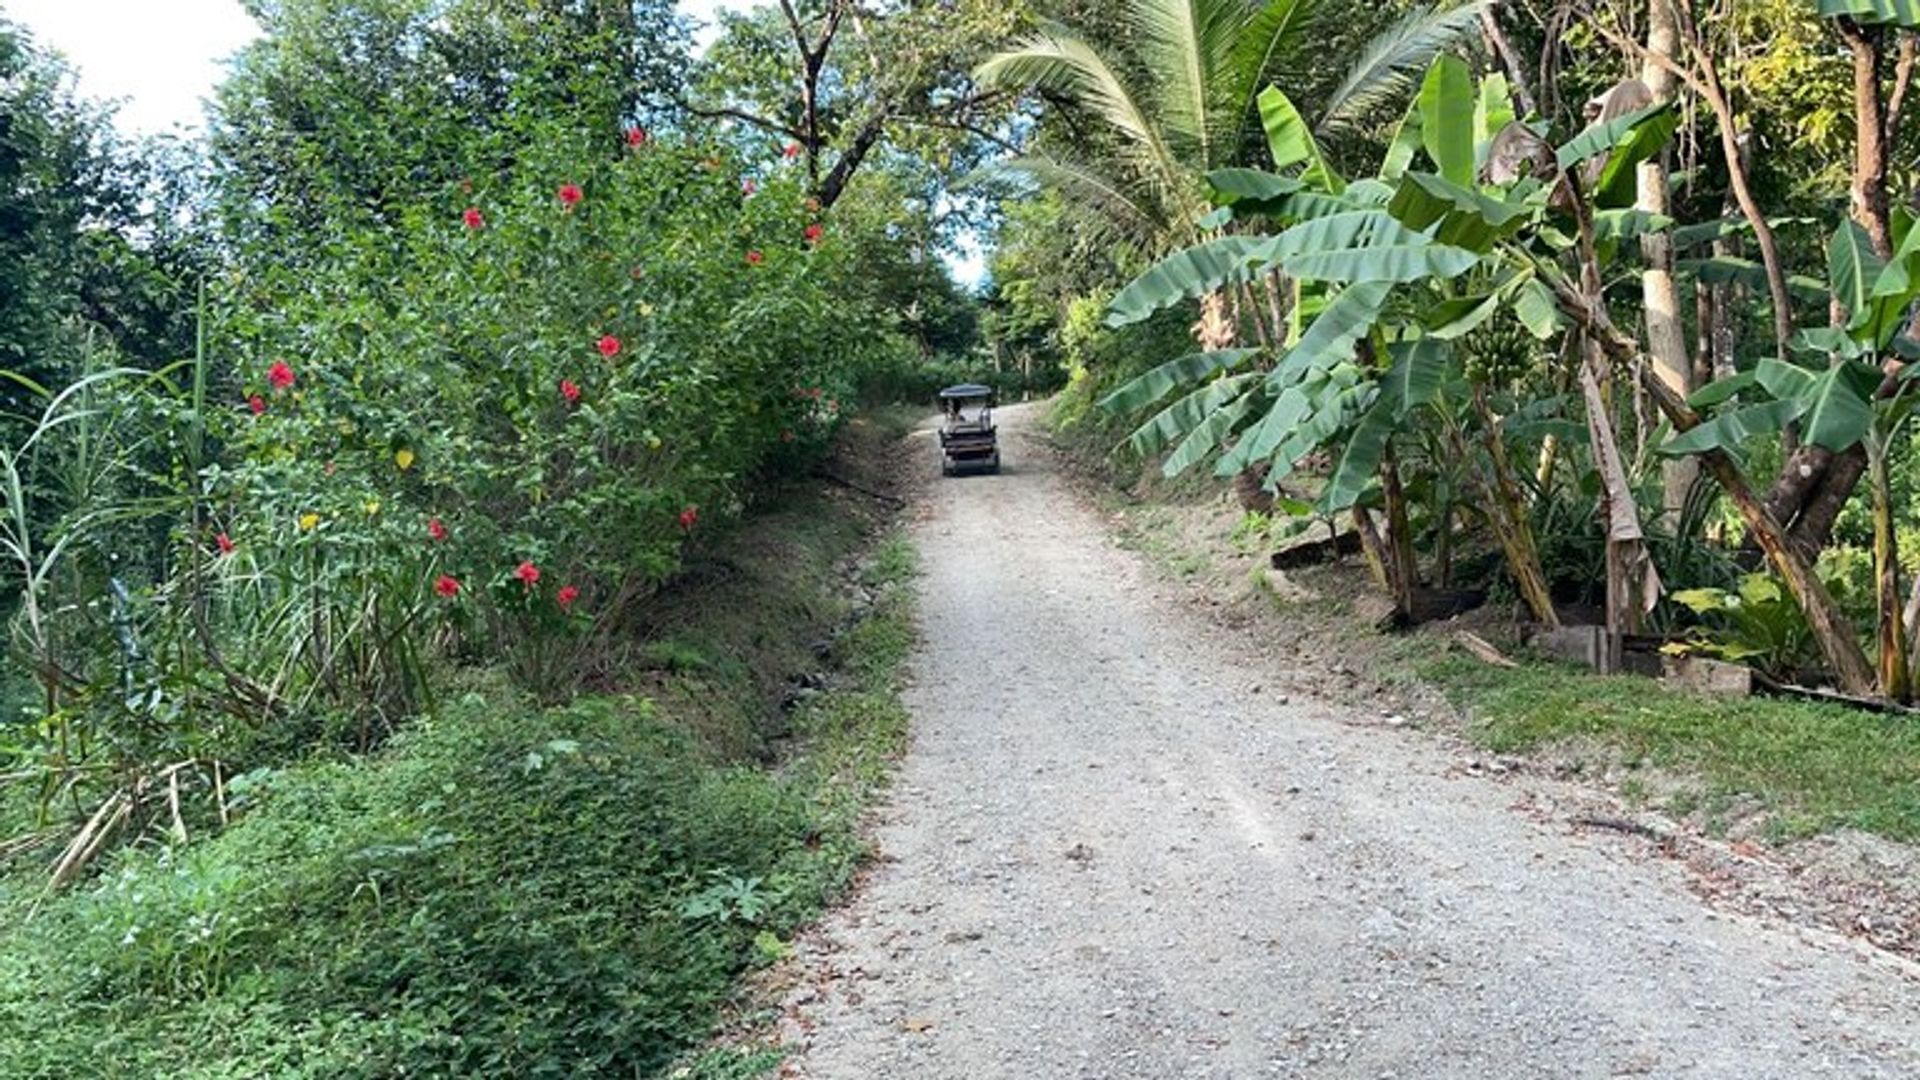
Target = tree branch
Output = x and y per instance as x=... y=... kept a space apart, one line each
x=729 y=113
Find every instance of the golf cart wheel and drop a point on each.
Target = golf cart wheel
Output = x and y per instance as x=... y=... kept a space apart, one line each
x=993 y=463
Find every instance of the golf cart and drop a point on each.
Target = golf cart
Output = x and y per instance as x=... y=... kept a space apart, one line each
x=967 y=439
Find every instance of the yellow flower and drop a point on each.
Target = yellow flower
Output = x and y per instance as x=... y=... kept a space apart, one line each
x=403 y=458
x=373 y=507
x=309 y=522
x=653 y=442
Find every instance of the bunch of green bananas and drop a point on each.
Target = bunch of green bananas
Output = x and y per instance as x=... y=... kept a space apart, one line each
x=1499 y=352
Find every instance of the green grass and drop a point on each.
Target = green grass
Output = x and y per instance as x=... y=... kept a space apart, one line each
x=1813 y=767
x=505 y=890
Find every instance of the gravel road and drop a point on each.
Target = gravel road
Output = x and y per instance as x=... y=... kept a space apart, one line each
x=1108 y=856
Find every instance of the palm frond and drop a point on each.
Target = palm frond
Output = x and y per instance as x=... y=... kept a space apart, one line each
x=1393 y=61
x=1188 y=46
x=1096 y=191
x=1275 y=34
x=1056 y=60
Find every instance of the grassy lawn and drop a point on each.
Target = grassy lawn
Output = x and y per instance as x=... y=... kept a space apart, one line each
x=1813 y=767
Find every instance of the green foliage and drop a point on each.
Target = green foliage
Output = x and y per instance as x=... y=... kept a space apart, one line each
x=502 y=890
x=1813 y=767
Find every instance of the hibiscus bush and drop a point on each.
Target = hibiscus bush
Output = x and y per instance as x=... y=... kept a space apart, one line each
x=499 y=423
x=480 y=426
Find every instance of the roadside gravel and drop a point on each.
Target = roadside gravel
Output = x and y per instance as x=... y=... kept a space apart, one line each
x=1116 y=849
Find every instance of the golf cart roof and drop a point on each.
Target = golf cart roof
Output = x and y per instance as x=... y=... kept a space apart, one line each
x=966 y=392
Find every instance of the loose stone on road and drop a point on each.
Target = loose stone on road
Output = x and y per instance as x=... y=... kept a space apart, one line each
x=1104 y=858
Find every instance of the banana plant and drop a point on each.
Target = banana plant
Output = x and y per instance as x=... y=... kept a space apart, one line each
x=1857 y=394
x=1390 y=272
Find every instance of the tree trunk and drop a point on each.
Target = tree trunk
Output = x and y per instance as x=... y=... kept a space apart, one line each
x=1502 y=47
x=1509 y=518
x=1666 y=328
x=1402 y=566
x=1894 y=683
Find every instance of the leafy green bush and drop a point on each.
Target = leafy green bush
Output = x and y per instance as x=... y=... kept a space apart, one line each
x=504 y=892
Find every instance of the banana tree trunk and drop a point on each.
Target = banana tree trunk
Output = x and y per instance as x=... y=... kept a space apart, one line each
x=1403 y=565
x=1372 y=548
x=1893 y=671
x=1508 y=516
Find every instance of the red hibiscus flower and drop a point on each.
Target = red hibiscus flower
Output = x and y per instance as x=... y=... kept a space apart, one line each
x=569 y=391
x=528 y=574
x=280 y=376
x=815 y=232
x=435 y=530
x=689 y=516
x=792 y=151
x=569 y=194
x=754 y=258
x=257 y=403
x=636 y=136
x=609 y=346
x=224 y=543
x=566 y=596
x=474 y=218
x=446 y=586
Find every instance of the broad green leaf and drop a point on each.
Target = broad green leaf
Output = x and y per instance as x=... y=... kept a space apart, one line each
x=1839 y=405
x=1183 y=416
x=1360 y=459
x=1419 y=374
x=1366 y=246
x=1252 y=191
x=1284 y=417
x=1149 y=388
x=1290 y=140
x=1492 y=112
x=1453 y=319
x=1905 y=13
x=1706 y=232
x=1783 y=382
x=1734 y=429
x=1618 y=184
x=1190 y=274
x=1537 y=310
x=1331 y=338
x=1446 y=118
x=1852 y=267
x=1894 y=290
x=1720 y=391
x=1452 y=214
x=1604 y=138
x=1829 y=340
x=1343 y=403
x=1406 y=141
x=1206 y=437
x=1627 y=224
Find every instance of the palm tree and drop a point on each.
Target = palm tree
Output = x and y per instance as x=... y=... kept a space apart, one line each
x=1180 y=102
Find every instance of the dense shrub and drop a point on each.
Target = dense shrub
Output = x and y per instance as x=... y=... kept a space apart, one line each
x=505 y=892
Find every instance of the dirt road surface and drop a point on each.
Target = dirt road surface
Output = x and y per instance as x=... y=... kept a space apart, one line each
x=1108 y=856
